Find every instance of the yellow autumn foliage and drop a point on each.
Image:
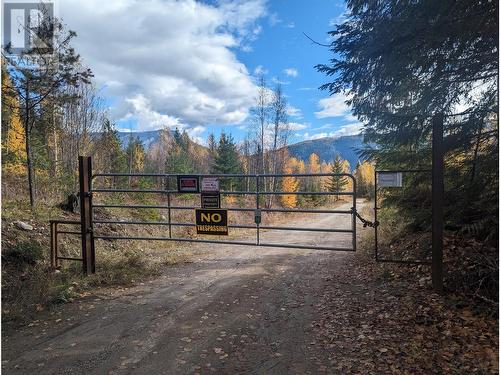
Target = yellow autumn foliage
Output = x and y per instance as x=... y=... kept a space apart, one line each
x=346 y=168
x=366 y=172
x=138 y=159
x=314 y=164
x=14 y=146
x=289 y=184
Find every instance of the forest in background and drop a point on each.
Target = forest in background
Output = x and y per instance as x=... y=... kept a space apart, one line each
x=50 y=116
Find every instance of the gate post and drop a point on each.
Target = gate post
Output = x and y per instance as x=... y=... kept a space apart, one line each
x=53 y=244
x=85 y=175
x=354 y=188
x=437 y=201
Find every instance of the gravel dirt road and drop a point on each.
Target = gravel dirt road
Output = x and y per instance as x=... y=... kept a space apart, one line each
x=239 y=310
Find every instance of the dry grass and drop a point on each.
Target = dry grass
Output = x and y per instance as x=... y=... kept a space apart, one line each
x=30 y=285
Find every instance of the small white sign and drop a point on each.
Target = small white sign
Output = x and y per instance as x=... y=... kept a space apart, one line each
x=390 y=179
x=210 y=184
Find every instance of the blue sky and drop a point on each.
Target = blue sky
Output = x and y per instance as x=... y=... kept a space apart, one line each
x=194 y=65
x=285 y=54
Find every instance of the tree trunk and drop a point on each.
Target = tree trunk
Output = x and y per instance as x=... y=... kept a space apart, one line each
x=29 y=165
x=29 y=161
x=474 y=159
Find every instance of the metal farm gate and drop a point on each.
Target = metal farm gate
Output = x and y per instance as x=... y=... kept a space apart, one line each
x=206 y=190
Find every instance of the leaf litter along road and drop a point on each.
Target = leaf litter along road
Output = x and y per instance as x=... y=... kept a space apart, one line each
x=241 y=310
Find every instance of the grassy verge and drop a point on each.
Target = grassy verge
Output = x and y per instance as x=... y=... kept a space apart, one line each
x=30 y=285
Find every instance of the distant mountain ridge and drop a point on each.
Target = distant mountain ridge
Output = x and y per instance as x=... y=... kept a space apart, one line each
x=348 y=147
x=147 y=138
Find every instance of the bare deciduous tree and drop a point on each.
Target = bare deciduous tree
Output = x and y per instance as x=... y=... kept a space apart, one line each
x=38 y=77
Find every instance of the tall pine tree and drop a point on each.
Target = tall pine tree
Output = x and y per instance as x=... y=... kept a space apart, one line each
x=227 y=161
x=337 y=183
x=401 y=62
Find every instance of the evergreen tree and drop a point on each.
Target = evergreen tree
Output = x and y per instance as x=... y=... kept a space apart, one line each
x=110 y=154
x=337 y=183
x=212 y=149
x=227 y=161
x=179 y=159
x=403 y=62
x=37 y=79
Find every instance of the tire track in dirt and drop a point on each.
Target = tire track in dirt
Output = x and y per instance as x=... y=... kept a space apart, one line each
x=240 y=310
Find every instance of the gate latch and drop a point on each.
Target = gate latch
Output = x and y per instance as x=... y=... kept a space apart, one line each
x=366 y=223
x=258 y=216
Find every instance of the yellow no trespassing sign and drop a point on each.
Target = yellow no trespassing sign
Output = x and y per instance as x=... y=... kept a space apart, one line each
x=211 y=221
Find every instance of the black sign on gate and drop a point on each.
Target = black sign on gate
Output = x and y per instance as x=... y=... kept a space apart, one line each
x=187 y=184
x=210 y=200
x=211 y=221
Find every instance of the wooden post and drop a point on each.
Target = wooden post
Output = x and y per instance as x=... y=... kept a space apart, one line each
x=437 y=202
x=88 y=253
x=53 y=245
x=375 y=217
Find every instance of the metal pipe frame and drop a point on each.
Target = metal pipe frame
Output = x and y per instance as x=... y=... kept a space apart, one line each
x=228 y=208
x=239 y=226
x=54 y=235
x=222 y=175
x=139 y=238
x=257 y=193
x=153 y=191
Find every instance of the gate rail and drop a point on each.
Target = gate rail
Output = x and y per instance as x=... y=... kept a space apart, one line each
x=257 y=193
x=88 y=222
x=54 y=237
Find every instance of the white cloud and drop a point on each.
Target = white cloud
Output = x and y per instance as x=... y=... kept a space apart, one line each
x=349 y=129
x=276 y=81
x=308 y=136
x=274 y=19
x=350 y=117
x=147 y=118
x=291 y=72
x=326 y=126
x=340 y=19
x=194 y=134
x=246 y=48
x=293 y=111
x=259 y=70
x=294 y=126
x=344 y=130
x=290 y=25
x=333 y=106
x=169 y=62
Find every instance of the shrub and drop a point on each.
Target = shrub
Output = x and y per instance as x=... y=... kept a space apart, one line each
x=23 y=254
